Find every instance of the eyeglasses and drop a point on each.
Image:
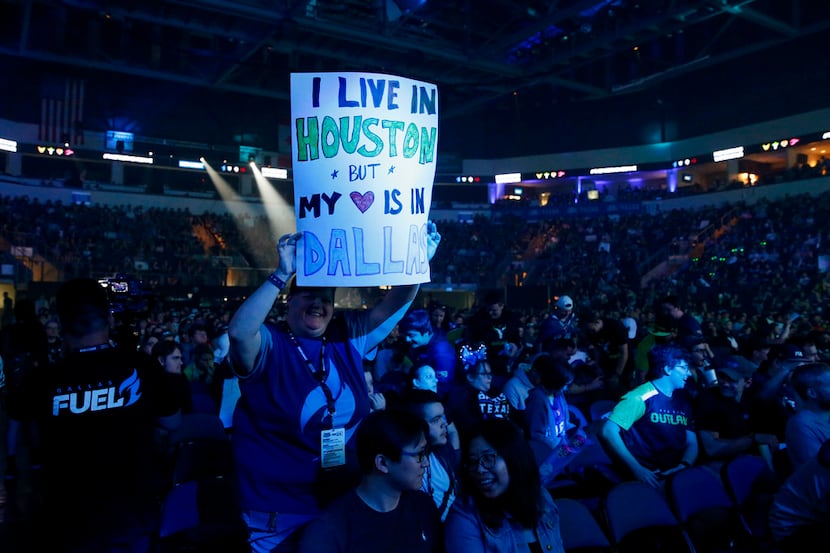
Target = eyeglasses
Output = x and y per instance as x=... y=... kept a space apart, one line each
x=419 y=456
x=485 y=374
x=486 y=461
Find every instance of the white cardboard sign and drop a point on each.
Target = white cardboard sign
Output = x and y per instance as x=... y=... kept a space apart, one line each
x=364 y=149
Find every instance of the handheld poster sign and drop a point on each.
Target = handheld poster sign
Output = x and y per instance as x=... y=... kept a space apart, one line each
x=364 y=153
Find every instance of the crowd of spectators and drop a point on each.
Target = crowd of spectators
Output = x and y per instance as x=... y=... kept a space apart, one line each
x=172 y=245
x=749 y=295
x=605 y=256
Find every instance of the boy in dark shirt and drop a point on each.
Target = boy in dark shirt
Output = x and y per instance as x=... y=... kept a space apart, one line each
x=387 y=512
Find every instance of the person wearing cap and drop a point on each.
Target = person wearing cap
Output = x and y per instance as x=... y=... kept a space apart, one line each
x=723 y=414
x=303 y=396
x=809 y=427
x=561 y=323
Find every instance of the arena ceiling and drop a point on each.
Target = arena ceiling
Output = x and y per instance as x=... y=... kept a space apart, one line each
x=485 y=55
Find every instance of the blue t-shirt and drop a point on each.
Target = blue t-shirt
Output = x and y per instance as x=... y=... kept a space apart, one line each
x=654 y=425
x=279 y=417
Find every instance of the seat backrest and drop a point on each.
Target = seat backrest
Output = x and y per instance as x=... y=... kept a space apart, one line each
x=706 y=512
x=695 y=489
x=747 y=476
x=579 y=528
x=639 y=518
x=631 y=506
x=752 y=485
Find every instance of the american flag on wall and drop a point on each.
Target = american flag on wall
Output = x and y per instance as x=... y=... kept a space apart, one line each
x=62 y=112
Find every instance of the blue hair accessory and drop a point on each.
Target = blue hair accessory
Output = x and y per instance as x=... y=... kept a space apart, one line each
x=471 y=357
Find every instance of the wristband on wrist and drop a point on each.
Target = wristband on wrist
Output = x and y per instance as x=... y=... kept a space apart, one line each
x=276 y=281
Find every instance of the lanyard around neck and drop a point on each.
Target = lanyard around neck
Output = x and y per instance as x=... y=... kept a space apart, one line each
x=320 y=375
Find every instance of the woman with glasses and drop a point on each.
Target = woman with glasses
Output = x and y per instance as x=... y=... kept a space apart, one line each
x=470 y=402
x=503 y=506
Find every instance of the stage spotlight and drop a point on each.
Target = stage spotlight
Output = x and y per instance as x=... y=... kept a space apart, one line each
x=280 y=213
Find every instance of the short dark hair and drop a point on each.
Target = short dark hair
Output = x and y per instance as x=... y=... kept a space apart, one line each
x=417 y=320
x=805 y=376
x=553 y=374
x=163 y=348
x=196 y=327
x=689 y=342
x=387 y=432
x=665 y=355
x=83 y=307
x=414 y=400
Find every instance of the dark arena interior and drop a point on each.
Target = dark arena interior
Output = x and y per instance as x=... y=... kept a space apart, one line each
x=610 y=177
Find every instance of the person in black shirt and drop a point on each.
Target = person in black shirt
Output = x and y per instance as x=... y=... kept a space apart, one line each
x=608 y=346
x=671 y=314
x=387 y=512
x=723 y=415
x=98 y=412
x=497 y=327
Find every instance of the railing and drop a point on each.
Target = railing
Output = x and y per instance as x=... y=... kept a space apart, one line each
x=665 y=262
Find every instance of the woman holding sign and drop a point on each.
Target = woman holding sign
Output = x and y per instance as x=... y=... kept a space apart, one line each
x=303 y=395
